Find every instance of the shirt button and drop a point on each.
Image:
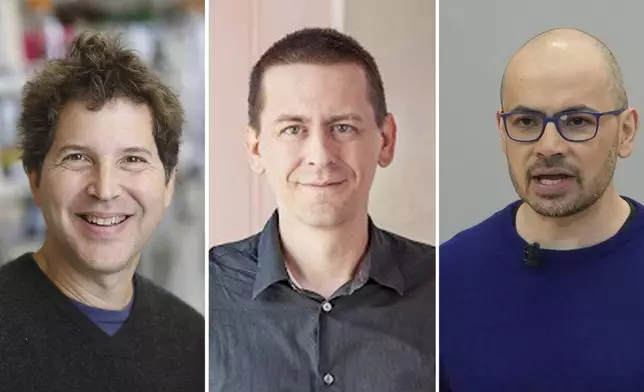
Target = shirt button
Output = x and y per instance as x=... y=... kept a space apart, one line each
x=326 y=306
x=328 y=379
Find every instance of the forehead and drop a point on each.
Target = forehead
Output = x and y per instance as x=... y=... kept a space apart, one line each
x=304 y=88
x=118 y=122
x=552 y=83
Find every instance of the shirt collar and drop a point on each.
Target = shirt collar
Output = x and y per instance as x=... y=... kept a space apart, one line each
x=379 y=264
x=270 y=260
x=383 y=262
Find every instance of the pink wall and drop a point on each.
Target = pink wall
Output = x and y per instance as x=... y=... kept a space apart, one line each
x=240 y=31
x=400 y=36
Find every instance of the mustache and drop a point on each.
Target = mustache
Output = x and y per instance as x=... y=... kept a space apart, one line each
x=553 y=162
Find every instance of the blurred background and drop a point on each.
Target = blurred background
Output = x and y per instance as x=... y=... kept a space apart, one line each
x=170 y=36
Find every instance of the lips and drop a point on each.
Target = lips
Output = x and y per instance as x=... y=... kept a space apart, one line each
x=551 y=172
x=327 y=183
x=551 y=176
x=323 y=183
x=104 y=220
x=551 y=180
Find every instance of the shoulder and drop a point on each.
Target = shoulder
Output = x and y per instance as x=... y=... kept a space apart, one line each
x=415 y=259
x=234 y=257
x=16 y=276
x=408 y=249
x=15 y=267
x=17 y=290
x=165 y=304
x=467 y=251
x=479 y=234
x=242 y=249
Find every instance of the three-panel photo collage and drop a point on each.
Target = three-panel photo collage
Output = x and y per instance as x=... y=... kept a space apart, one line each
x=321 y=195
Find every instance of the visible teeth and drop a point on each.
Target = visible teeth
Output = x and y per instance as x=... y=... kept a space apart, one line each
x=105 y=221
x=547 y=181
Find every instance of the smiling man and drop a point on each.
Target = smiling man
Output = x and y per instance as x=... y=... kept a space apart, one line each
x=321 y=297
x=546 y=294
x=100 y=136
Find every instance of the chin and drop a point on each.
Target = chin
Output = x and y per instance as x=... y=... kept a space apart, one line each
x=106 y=261
x=560 y=207
x=323 y=216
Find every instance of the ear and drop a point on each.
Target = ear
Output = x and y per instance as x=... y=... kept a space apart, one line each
x=34 y=185
x=388 y=149
x=500 y=126
x=628 y=130
x=169 y=188
x=251 y=146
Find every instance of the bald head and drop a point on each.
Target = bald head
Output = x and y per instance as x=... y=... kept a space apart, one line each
x=575 y=49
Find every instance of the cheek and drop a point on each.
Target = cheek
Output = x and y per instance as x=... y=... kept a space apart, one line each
x=281 y=159
x=361 y=159
x=60 y=190
x=592 y=162
x=519 y=160
x=148 y=190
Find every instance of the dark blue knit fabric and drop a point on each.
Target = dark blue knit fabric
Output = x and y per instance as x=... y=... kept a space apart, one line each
x=576 y=323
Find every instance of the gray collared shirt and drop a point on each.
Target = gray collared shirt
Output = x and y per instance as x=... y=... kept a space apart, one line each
x=374 y=334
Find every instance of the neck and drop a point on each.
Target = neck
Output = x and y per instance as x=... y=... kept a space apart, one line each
x=112 y=291
x=323 y=259
x=596 y=224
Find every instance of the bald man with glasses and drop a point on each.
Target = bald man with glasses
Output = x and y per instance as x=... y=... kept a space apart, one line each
x=546 y=294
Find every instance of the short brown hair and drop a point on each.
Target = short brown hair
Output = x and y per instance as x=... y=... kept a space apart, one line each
x=98 y=69
x=316 y=46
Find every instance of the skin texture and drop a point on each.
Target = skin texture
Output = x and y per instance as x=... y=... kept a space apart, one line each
x=319 y=147
x=103 y=162
x=556 y=71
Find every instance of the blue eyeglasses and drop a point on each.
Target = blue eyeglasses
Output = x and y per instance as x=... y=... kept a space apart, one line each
x=574 y=126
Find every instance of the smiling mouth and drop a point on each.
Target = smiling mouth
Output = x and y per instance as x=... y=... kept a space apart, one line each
x=324 y=184
x=104 y=222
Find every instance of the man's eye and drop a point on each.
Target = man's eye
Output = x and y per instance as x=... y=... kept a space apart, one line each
x=74 y=157
x=133 y=159
x=343 y=128
x=292 y=130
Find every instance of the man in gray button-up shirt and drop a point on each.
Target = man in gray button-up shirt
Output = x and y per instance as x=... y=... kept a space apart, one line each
x=321 y=298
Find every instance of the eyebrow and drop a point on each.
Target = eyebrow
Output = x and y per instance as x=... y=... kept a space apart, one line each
x=343 y=117
x=137 y=150
x=575 y=108
x=290 y=118
x=73 y=147
x=78 y=147
x=302 y=119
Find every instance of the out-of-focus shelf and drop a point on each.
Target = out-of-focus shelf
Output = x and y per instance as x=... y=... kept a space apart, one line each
x=11 y=85
x=10 y=191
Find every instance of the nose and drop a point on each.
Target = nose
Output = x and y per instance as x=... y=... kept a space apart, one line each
x=319 y=147
x=104 y=184
x=551 y=142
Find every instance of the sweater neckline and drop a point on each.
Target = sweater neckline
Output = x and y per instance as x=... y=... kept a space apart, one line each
x=115 y=342
x=506 y=220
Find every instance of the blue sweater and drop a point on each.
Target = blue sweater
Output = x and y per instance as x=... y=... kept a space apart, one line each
x=576 y=323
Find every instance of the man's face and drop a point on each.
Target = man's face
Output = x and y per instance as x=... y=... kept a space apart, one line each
x=319 y=143
x=103 y=188
x=554 y=176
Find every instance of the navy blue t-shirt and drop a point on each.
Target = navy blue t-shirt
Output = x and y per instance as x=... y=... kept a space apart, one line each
x=109 y=321
x=575 y=323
